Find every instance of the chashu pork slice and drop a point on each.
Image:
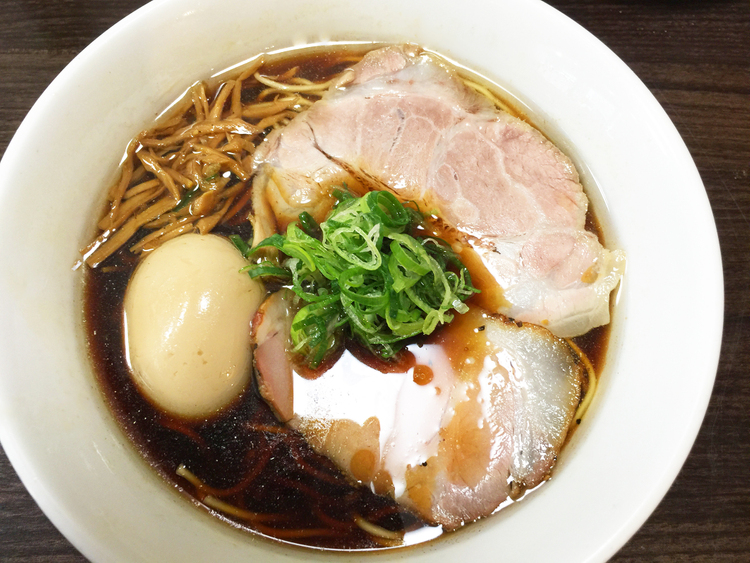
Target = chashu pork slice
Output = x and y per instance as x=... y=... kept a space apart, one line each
x=406 y=123
x=477 y=421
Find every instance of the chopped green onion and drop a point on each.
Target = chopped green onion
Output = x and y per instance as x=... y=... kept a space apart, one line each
x=187 y=198
x=310 y=225
x=241 y=245
x=361 y=274
x=266 y=268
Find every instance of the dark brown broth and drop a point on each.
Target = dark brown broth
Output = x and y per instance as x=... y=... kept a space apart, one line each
x=244 y=447
x=245 y=441
x=262 y=467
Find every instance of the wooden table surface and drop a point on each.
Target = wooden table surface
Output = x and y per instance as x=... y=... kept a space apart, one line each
x=695 y=58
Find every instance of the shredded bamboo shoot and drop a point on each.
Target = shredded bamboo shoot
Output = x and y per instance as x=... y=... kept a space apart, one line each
x=192 y=171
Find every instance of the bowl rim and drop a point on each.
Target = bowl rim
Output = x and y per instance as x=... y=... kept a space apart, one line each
x=95 y=547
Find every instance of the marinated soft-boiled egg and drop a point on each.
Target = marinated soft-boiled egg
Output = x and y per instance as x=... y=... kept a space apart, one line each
x=188 y=311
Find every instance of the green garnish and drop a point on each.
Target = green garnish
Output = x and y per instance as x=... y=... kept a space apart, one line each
x=212 y=172
x=362 y=274
x=187 y=198
x=241 y=245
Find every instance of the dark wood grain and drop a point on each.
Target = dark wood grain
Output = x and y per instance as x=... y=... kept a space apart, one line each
x=695 y=58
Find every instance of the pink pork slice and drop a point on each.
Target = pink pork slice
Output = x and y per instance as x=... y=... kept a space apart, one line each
x=406 y=123
x=487 y=425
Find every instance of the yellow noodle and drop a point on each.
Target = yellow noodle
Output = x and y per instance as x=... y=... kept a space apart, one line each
x=274 y=119
x=189 y=476
x=301 y=81
x=226 y=508
x=288 y=74
x=377 y=531
x=265 y=94
x=344 y=78
x=264 y=109
x=488 y=94
x=302 y=102
x=293 y=87
x=252 y=69
x=584 y=405
x=213 y=502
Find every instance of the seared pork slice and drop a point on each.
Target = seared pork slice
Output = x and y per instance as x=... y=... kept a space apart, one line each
x=270 y=331
x=408 y=124
x=478 y=417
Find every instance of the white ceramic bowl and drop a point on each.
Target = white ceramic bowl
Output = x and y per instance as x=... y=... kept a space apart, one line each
x=62 y=440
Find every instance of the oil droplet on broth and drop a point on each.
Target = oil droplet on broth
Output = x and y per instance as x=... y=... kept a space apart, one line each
x=422 y=375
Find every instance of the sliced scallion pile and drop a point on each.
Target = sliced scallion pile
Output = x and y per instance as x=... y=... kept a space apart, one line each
x=361 y=274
